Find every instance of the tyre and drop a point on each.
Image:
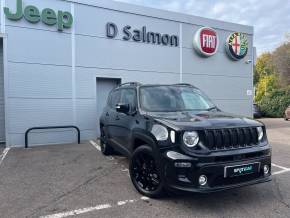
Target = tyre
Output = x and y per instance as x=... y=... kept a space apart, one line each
x=106 y=149
x=145 y=174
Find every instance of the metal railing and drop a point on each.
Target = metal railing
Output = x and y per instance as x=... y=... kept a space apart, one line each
x=52 y=127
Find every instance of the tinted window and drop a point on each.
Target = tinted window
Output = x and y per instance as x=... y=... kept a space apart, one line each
x=128 y=96
x=115 y=98
x=173 y=98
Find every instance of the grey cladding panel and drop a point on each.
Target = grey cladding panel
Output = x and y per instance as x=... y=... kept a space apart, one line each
x=37 y=46
x=219 y=64
x=39 y=81
x=86 y=114
x=27 y=113
x=117 y=54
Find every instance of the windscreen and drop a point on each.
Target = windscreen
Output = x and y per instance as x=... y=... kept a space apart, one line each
x=173 y=98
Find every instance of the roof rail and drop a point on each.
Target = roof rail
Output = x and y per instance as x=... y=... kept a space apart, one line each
x=183 y=84
x=130 y=84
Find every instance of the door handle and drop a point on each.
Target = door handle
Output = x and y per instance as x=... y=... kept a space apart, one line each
x=117 y=117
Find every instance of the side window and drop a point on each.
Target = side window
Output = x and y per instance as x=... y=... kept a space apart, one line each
x=128 y=96
x=109 y=100
x=114 y=98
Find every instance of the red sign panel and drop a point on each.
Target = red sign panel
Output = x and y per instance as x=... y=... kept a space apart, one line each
x=208 y=41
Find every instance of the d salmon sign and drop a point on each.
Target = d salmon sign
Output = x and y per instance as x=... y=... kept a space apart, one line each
x=206 y=41
x=237 y=45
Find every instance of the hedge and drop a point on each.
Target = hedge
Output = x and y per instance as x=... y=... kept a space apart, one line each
x=274 y=103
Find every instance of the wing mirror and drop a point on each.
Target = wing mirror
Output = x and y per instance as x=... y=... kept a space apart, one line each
x=123 y=108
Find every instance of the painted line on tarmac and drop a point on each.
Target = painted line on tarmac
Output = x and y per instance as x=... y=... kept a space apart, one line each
x=281 y=167
x=78 y=211
x=95 y=208
x=284 y=169
x=3 y=155
x=280 y=172
x=93 y=143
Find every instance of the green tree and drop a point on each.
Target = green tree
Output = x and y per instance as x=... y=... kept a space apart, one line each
x=264 y=66
x=272 y=80
x=281 y=61
x=266 y=85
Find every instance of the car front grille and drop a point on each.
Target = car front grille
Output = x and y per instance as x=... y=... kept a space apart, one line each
x=230 y=138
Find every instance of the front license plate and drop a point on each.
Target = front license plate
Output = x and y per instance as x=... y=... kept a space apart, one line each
x=240 y=170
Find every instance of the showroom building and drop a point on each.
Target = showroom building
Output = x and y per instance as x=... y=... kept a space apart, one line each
x=61 y=58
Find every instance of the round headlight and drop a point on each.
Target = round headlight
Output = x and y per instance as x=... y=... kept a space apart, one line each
x=160 y=132
x=190 y=139
x=260 y=133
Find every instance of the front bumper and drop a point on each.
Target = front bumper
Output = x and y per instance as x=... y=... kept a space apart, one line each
x=186 y=178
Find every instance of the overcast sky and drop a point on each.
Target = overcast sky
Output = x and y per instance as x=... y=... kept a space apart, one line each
x=270 y=18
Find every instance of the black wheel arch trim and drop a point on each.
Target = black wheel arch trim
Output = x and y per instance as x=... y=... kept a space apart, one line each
x=148 y=139
x=144 y=136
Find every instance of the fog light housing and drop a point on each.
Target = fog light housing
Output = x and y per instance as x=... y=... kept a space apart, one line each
x=182 y=164
x=266 y=169
x=202 y=180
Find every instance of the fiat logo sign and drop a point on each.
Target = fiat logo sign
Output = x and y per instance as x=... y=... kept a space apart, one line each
x=206 y=41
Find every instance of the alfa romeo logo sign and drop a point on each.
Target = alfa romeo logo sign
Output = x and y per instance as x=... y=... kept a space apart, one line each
x=237 y=45
x=206 y=41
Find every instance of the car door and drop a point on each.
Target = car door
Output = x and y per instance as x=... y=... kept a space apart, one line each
x=124 y=121
x=110 y=114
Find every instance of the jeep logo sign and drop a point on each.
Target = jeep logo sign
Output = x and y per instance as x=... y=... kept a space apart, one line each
x=62 y=19
x=206 y=41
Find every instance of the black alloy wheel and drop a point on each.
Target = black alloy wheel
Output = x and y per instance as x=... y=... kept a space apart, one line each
x=144 y=172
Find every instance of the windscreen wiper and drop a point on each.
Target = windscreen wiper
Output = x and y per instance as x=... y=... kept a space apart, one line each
x=212 y=108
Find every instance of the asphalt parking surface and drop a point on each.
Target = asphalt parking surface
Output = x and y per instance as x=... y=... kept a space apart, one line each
x=77 y=181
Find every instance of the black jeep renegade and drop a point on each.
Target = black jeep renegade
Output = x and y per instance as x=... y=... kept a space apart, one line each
x=176 y=138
